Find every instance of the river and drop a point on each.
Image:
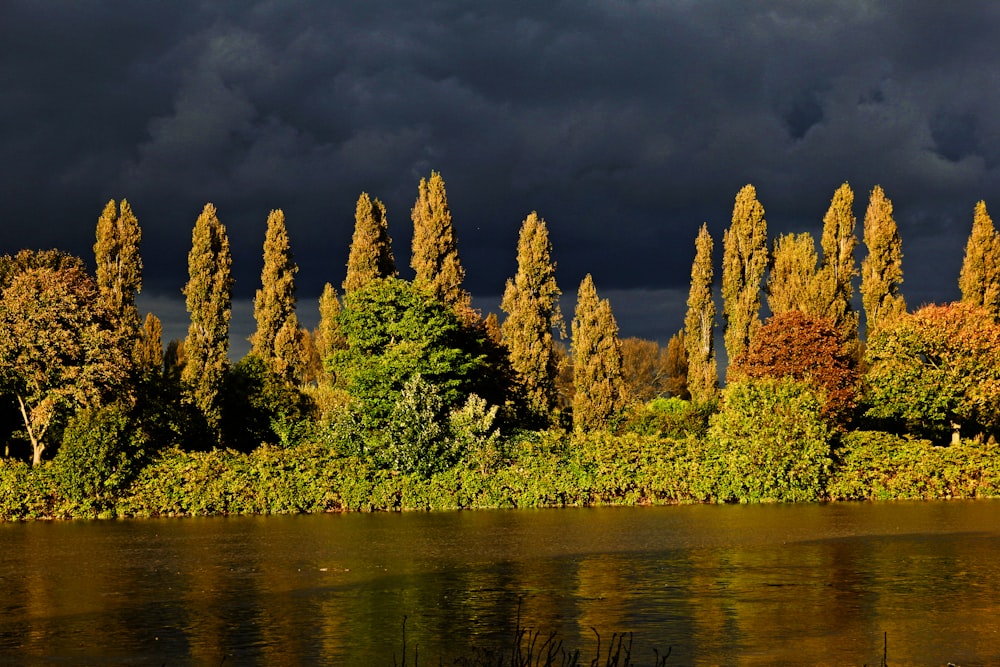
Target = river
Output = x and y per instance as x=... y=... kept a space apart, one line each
x=716 y=585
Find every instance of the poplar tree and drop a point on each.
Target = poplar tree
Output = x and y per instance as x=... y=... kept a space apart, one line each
x=435 y=251
x=882 y=268
x=531 y=302
x=792 y=281
x=371 y=256
x=274 y=303
x=598 y=379
x=149 y=353
x=209 y=297
x=838 y=268
x=699 y=324
x=980 y=276
x=328 y=337
x=744 y=260
x=119 y=267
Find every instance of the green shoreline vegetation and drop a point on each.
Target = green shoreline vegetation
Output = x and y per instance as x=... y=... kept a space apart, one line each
x=406 y=398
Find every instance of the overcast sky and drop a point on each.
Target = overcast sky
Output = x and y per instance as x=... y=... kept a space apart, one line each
x=624 y=124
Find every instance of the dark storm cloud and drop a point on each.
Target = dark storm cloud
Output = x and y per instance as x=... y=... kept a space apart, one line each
x=625 y=124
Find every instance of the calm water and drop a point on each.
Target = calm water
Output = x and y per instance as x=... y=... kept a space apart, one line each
x=748 y=585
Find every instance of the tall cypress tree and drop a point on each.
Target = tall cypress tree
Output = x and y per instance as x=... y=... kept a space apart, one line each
x=209 y=304
x=882 y=268
x=744 y=260
x=328 y=337
x=435 y=250
x=371 y=247
x=838 y=267
x=699 y=323
x=598 y=378
x=531 y=302
x=150 y=350
x=119 y=266
x=980 y=276
x=274 y=304
x=792 y=282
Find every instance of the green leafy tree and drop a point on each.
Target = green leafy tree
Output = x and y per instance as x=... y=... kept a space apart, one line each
x=980 y=276
x=645 y=369
x=598 y=379
x=59 y=350
x=808 y=349
x=937 y=370
x=435 y=250
x=838 y=267
x=274 y=304
x=119 y=266
x=209 y=304
x=769 y=442
x=699 y=324
x=882 y=268
x=393 y=330
x=327 y=337
x=371 y=256
x=744 y=260
x=676 y=366
x=531 y=302
x=792 y=281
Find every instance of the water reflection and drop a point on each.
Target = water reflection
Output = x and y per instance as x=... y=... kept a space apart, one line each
x=808 y=584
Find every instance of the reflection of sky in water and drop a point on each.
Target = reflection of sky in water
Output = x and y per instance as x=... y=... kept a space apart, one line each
x=757 y=585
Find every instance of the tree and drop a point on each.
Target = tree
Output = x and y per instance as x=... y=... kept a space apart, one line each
x=531 y=302
x=882 y=268
x=980 y=276
x=435 y=251
x=699 y=324
x=792 y=281
x=644 y=367
x=371 y=256
x=937 y=370
x=393 y=330
x=59 y=349
x=274 y=304
x=676 y=366
x=597 y=361
x=328 y=338
x=209 y=298
x=119 y=266
x=744 y=260
x=805 y=348
x=838 y=269
x=149 y=353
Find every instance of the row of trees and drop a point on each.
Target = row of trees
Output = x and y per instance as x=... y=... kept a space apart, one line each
x=408 y=374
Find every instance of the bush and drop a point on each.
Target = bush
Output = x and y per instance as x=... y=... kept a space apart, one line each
x=770 y=442
x=101 y=453
x=669 y=418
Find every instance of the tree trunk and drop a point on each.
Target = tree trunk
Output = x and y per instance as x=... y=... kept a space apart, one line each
x=37 y=446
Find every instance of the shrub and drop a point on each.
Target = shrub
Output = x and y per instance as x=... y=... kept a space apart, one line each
x=769 y=442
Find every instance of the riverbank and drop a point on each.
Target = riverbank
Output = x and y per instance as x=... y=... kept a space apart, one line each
x=546 y=469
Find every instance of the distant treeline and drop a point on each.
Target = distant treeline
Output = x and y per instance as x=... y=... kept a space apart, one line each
x=404 y=396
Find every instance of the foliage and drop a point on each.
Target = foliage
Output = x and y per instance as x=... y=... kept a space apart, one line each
x=744 y=260
x=837 y=268
x=394 y=330
x=435 y=261
x=58 y=348
x=119 y=268
x=669 y=418
x=808 y=349
x=102 y=451
x=873 y=465
x=209 y=297
x=598 y=381
x=937 y=369
x=769 y=442
x=149 y=351
x=644 y=368
x=881 y=270
x=370 y=257
x=531 y=302
x=699 y=324
x=979 y=279
x=792 y=282
x=260 y=406
x=276 y=341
